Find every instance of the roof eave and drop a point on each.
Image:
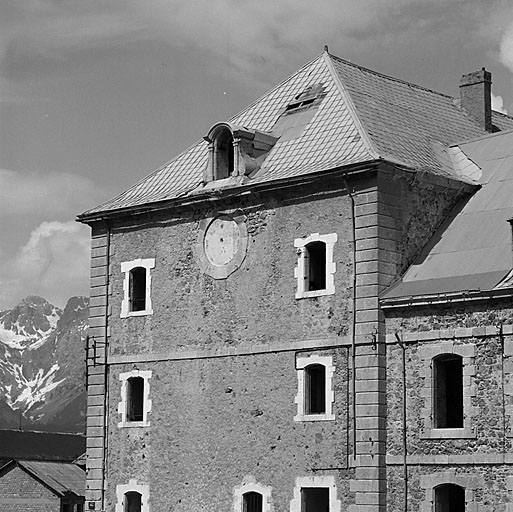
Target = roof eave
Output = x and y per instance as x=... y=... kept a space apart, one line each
x=214 y=195
x=445 y=298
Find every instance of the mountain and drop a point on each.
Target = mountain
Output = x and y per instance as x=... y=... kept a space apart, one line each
x=42 y=365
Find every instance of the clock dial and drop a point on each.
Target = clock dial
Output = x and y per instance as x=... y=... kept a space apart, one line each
x=221 y=241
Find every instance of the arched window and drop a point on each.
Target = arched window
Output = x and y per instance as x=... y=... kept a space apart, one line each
x=137 y=293
x=449 y=498
x=316 y=266
x=315 y=389
x=252 y=502
x=135 y=398
x=133 y=501
x=448 y=391
x=223 y=154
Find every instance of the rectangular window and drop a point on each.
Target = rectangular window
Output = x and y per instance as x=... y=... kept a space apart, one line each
x=135 y=399
x=315 y=499
x=138 y=289
x=315 y=382
x=448 y=390
x=316 y=266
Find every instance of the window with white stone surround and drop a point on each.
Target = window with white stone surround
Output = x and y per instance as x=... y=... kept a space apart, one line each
x=252 y=497
x=137 y=287
x=135 y=404
x=315 y=395
x=315 y=493
x=132 y=497
x=315 y=266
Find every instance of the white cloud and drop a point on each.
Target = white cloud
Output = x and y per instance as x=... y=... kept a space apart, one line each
x=498 y=104
x=45 y=195
x=506 y=48
x=54 y=263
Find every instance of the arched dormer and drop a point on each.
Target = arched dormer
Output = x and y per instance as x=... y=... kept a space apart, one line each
x=235 y=151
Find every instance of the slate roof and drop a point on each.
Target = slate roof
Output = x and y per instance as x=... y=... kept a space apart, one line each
x=472 y=251
x=16 y=444
x=365 y=116
x=61 y=477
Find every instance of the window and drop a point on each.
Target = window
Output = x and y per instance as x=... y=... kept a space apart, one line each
x=448 y=391
x=315 y=395
x=315 y=389
x=135 y=404
x=252 y=502
x=252 y=497
x=449 y=498
x=448 y=373
x=315 y=499
x=315 y=494
x=315 y=267
x=132 y=502
x=223 y=154
x=135 y=399
x=137 y=287
x=132 y=497
x=137 y=293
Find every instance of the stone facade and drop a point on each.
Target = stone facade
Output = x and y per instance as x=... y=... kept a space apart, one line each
x=223 y=353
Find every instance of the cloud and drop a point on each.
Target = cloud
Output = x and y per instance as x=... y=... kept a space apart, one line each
x=45 y=194
x=506 y=48
x=53 y=263
x=498 y=104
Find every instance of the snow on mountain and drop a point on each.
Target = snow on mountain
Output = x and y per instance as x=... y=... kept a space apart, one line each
x=42 y=361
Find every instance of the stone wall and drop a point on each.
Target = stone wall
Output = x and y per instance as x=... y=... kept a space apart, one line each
x=19 y=492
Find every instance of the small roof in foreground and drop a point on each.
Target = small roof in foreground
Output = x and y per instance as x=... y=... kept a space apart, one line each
x=364 y=116
x=472 y=251
x=61 y=477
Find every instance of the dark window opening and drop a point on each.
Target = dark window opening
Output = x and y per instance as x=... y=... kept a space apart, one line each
x=316 y=256
x=449 y=498
x=307 y=98
x=138 y=289
x=223 y=155
x=315 y=384
x=252 y=502
x=448 y=391
x=315 y=499
x=133 y=502
x=135 y=396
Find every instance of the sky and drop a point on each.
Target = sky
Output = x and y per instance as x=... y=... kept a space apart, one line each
x=95 y=95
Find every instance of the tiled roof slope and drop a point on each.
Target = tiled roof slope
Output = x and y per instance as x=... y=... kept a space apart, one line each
x=472 y=251
x=364 y=116
x=61 y=477
x=403 y=119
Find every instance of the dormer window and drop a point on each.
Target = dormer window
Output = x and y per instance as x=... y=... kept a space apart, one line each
x=235 y=153
x=223 y=155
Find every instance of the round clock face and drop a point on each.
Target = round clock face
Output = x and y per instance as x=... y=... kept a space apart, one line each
x=221 y=241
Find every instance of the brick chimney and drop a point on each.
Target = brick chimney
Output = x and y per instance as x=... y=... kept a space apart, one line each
x=476 y=97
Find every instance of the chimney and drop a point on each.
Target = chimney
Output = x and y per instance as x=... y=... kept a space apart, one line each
x=476 y=97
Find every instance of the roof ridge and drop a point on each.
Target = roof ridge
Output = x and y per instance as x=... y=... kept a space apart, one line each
x=346 y=97
x=388 y=77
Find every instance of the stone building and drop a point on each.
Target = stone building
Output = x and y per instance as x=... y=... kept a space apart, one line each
x=308 y=309
x=41 y=486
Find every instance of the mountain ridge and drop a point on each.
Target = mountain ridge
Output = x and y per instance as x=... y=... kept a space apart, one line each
x=42 y=365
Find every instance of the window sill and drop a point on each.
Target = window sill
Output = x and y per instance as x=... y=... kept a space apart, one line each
x=133 y=424
x=314 y=417
x=314 y=293
x=143 y=312
x=449 y=433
